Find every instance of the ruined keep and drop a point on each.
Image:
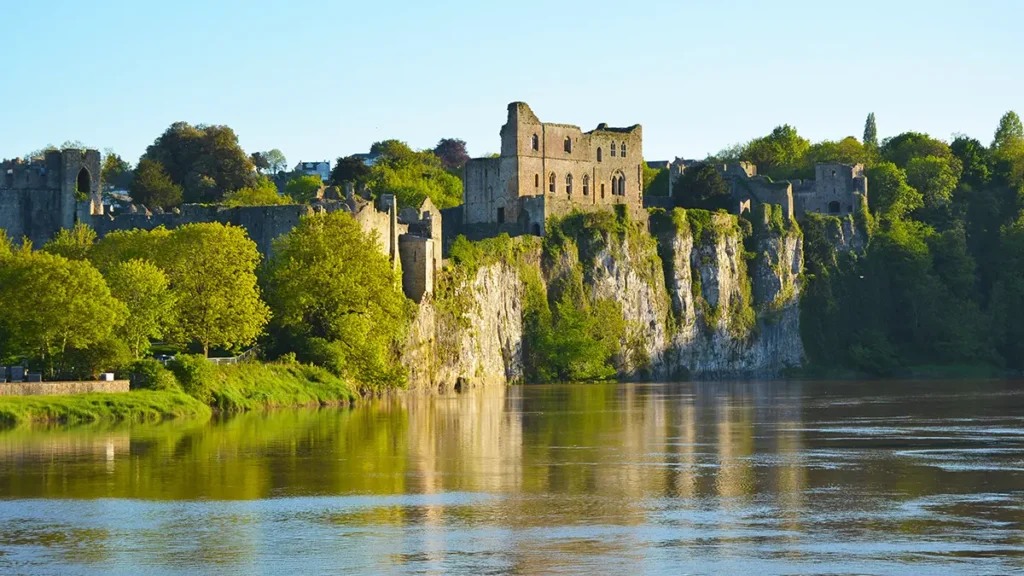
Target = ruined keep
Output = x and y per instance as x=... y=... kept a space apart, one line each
x=546 y=170
x=40 y=196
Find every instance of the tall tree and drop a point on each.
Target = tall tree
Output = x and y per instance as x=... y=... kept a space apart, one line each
x=1009 y=133
x=304 y=189
x=52 y=304
x=349 y=169
x=871 y=131
x=152 y=187
x=276 y=161
x=212 y=269
x=144 y=290
x=328 y=281
x=73 y=244
x=259 y=160
x=452 y=152
x=116 y=172
x=206 y=161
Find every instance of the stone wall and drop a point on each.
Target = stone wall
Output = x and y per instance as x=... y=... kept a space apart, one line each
x=569 y=168
x=61 y=388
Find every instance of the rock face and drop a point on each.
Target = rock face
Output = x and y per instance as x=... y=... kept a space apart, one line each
x=484 y=349
x=694 y=306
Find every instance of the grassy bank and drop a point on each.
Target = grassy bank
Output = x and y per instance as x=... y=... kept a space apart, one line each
x=193 y=391
x=137 y=406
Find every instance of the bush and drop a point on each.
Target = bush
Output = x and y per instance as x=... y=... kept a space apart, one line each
x=150 y=375
x=196 y=375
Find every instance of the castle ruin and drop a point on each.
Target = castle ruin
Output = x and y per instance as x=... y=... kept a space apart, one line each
x=546 y=170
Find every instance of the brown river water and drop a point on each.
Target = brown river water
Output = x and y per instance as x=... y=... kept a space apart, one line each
x=705 y=478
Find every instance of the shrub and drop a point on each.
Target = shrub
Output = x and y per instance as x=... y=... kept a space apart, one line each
x=149 y=374
x=196 y=375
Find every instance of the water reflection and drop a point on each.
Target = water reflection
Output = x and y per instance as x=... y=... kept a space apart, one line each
x=767 y=477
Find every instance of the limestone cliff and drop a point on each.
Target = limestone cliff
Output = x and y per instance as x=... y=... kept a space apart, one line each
x=700 y=298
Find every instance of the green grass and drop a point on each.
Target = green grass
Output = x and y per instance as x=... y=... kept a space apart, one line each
x=239 y=388
x=138 y=406
x=254 y=386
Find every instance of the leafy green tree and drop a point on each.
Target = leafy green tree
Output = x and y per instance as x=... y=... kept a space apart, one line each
x=116 y=172
x=5 y=245
x=259 y=160
x=349 y=169
x=212 y=271
x=52 y=304
x=275 y=159
x=901 y=149
x=655 y=181
x=1009 y=134
x=870 y=132
x=1007 y=307
x=328 y=281
x=304 y=188
x=974 y=158
x=264 y=193
x=144 y=290
x=936 y=179
x=152 y=187
x=702 y=186
x=582 y=342
x=779 y=154
x=73 y=244
x=205 y=161
x=124 y=245
x=846 y=151
x=891 y=197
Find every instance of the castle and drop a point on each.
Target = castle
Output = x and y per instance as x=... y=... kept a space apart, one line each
x=837 y=189
x=41 y=196
x=547 y=170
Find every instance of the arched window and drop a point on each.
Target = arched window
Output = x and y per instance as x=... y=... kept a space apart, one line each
x=535 y=142
x=623 y=149
x=833 y=207
x=615 y=184
x=598 y=154
x=536 y=229
x=551 y=183
x=84 y=187
x=586 y=184
x=622 y=185
x=568 y=145
x=568 y=184
x=613 y=149
x=536 y=180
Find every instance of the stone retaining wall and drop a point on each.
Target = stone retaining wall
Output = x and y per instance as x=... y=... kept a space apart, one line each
x=61 y=388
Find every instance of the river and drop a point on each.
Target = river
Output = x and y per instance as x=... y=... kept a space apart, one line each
x=707 y=478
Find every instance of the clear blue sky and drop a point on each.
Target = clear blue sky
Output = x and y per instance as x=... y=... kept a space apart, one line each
x=320 y=79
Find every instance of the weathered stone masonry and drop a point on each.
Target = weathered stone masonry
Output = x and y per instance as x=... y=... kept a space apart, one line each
x=549 y=170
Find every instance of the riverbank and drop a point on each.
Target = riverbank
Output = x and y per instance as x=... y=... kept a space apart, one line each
x=195 y=394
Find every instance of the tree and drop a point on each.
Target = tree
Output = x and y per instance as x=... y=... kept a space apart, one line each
x=847 y=151
x=205 y=161
x=52 y=304
x=144 y=290
x=116 y=172
x=974 y=158
x=935 y=178
x=276 y=161
x=124 y=245
x=329 y=282
x=891 y=197
x=212 y=270
x=152 y=187
x=349 y=169
x=870 y=132
x=5 y=245
x=304 y=189
x=452 y=152
x=1010 y=132
x=264 y=193
x=73 y=244
x=259 y=160
x=779 y=154
x=702 y=186
x=900 y=150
